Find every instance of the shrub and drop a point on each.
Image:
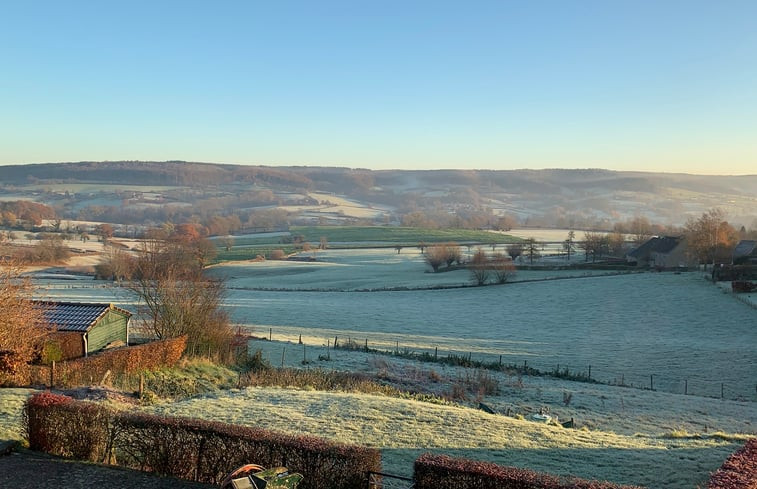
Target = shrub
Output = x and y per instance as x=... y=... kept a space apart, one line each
x=739 y=471
x=85 y=371
x=433 y=471
x=59 y=425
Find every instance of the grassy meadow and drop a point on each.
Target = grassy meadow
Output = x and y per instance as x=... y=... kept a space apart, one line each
x=403 y=429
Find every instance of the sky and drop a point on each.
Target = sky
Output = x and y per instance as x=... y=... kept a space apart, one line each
x=625 y=85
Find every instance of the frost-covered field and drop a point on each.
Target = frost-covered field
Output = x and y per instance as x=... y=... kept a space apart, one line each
x=360 y=269
x=676 y=333
x=403 y=429
x=671 y=332
x=679 y=329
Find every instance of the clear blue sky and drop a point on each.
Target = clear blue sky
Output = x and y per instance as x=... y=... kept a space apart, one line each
x=626 y=85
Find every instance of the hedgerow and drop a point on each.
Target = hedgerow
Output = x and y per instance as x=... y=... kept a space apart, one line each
x=88 y=370
x=739 y=471
x=191 y=449
x=434 y=471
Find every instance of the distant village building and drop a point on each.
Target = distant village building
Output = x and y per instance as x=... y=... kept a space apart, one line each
x=84 y=328
x=745 y=252
x=663 y=253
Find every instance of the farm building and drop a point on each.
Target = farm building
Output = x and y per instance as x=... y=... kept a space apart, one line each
x=745 y=252
x=84 y=328
x=666 y=252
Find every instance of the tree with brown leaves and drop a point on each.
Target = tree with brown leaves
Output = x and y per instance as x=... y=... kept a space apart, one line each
x=22 y=326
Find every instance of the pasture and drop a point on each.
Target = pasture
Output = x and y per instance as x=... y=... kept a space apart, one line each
x=687 y=340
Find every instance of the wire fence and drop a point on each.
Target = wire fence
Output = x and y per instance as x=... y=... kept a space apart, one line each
x=636 y=378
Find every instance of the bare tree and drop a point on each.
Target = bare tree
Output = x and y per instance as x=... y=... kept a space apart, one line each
x=177 y=299
x=435 y=256
x=514 y=250
x=531 y=249
x=569 y=245
x=616 y=242
x=502 y=267
x=640 y=230
x=228 y=242
x=479 y=267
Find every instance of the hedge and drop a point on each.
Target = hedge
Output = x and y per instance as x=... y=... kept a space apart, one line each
x=439 y=471
x=739 y=471
x=89 y=370
x=205 y=451
x=59 y=425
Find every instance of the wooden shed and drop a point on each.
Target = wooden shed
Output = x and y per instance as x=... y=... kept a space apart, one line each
x=84 y=328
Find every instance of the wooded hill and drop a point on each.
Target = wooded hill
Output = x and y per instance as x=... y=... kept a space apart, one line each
x=534 y=197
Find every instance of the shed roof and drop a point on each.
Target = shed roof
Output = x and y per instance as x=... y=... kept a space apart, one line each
x=76 y=316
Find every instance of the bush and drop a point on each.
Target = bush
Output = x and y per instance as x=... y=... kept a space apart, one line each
x=192 y=449
x=59 y=425
x=85 y=371
x=739 y=471
x=433 y=471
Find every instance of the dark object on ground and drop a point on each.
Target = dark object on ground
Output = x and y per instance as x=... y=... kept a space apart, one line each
x=743 y=286
x=484 y=407
x=253 y=476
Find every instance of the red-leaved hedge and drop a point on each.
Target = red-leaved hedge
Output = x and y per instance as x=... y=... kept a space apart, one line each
x=739 y=471
x=192 y=449
x=437 y=471
x=88 y=370
x=59 y=425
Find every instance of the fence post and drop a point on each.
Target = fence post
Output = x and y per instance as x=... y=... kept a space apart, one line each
x=589 y=372
x=270 y=334
x=651 y=382
x=686 y=387
x=52 y=374
x=283 y=351
x=722 y=391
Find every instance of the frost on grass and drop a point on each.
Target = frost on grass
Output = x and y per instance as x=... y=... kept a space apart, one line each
x=11 y=406
x=403 y=428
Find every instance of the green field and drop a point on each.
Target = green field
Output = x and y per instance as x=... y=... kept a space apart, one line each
x=397 y=235
x=248 y=247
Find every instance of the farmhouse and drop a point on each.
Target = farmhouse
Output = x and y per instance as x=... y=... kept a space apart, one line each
x=662 y=253
x=745 y=252
x=84 y=328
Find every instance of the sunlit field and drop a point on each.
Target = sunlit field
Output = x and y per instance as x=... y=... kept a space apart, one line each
x=674 y=341
x=403 y=429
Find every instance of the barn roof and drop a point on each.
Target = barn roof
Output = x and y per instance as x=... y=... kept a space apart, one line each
x=745 y=248
x=76 y=316
x=656 y=244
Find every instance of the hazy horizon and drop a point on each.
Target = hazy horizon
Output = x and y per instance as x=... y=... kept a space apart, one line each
x=626 y=86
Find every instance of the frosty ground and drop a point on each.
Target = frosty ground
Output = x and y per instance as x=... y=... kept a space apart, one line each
x=674 y=332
